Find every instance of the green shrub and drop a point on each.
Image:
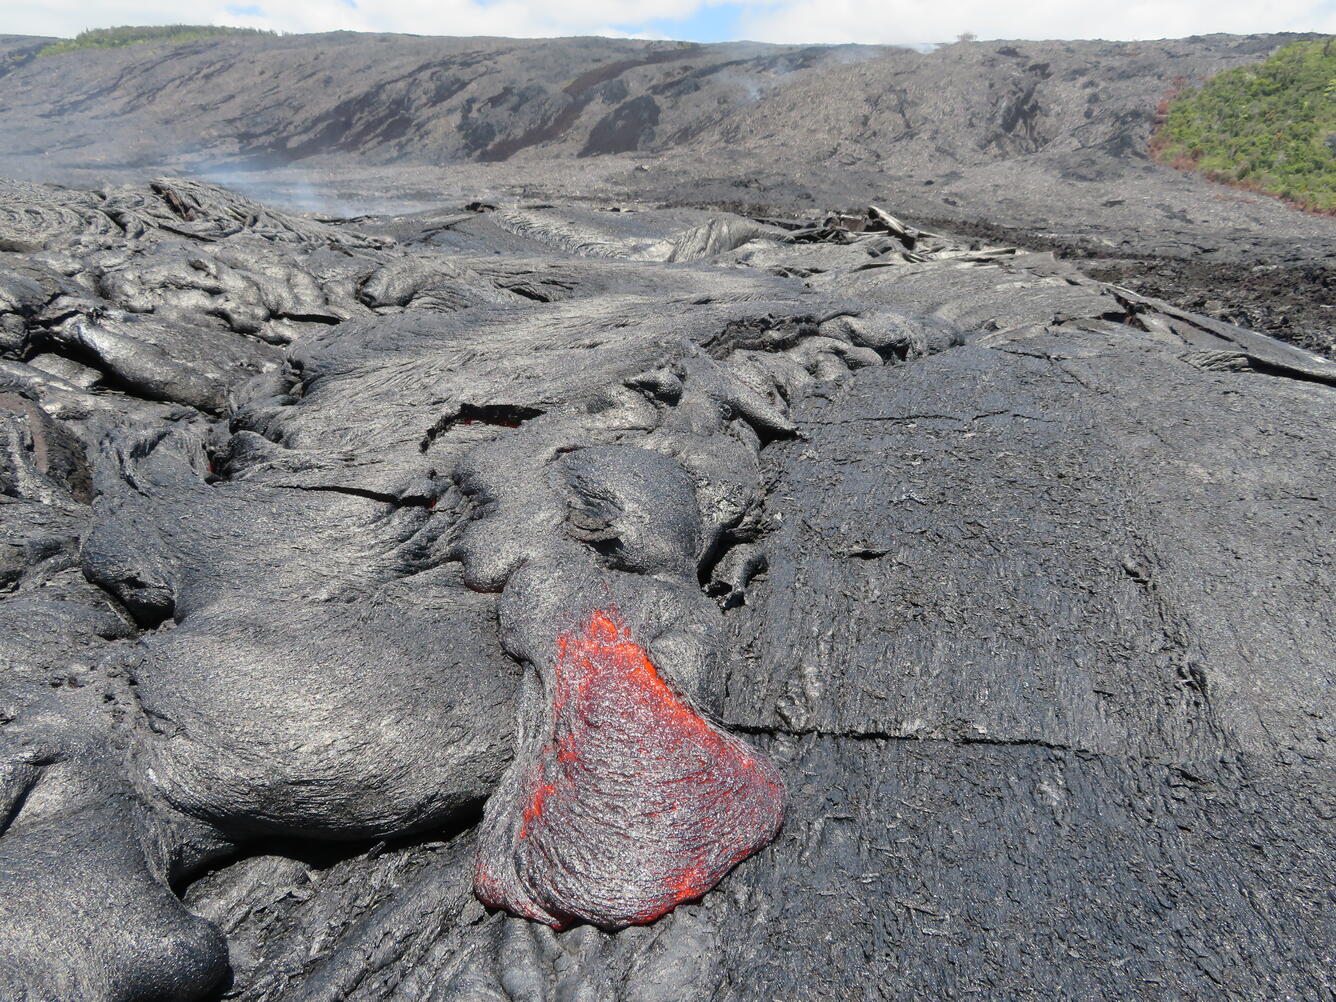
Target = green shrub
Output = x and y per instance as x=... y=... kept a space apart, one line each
x=115 y=38
x=1269 y=127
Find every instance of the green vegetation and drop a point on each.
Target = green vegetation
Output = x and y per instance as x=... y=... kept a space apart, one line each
x=115 y=38
x=1269 y=127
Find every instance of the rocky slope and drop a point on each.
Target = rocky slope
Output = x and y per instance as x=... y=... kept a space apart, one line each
x=390 y=97
x=988 y=132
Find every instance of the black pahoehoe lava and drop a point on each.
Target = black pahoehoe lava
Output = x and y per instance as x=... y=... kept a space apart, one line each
x=326 y=544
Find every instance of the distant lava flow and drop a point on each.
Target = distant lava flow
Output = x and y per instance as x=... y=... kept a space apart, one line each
x=634 y=803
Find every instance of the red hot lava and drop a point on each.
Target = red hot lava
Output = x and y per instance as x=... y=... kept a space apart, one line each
x=634 y=803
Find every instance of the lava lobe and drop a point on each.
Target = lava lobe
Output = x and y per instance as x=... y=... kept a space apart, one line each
x=631 y=804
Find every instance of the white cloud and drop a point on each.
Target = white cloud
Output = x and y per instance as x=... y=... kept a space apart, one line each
x=516 y=18
x=763 y=20
x=944 y=20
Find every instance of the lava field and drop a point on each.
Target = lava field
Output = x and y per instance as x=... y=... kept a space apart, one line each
x=589 y=594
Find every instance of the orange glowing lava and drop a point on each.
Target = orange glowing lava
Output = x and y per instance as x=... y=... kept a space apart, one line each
x=635 y=803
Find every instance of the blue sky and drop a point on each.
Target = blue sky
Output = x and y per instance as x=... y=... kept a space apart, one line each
x=719 y=23
x=793 y=21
